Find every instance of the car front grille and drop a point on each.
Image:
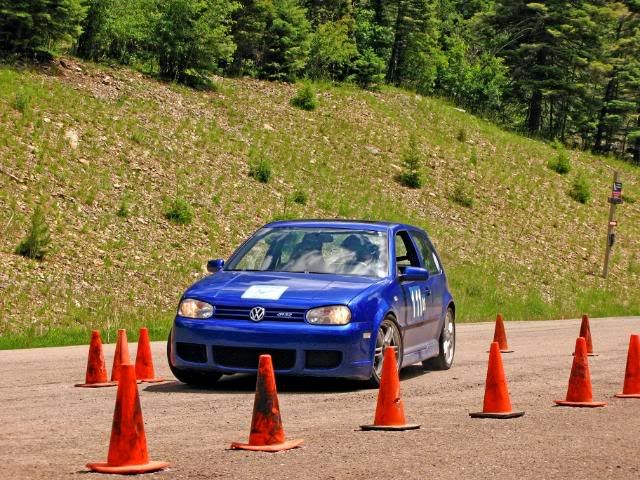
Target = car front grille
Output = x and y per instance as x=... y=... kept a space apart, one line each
x=192 y=352
x=223 y=312
x=322 y=359
x=240 y=357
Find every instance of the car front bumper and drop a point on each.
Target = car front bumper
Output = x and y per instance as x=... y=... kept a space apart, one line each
x=297 y=348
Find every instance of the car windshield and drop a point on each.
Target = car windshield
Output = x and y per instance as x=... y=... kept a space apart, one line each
x=314 y=250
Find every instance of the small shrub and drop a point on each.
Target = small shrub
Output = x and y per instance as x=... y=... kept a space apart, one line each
x=462 y=135
x=628 y=198
x=462 y=195
x=137 y=137
x=474 y=158
x=179 y=212
x=260 y=170
x=556 y=144
x=300 y=197
x=198 y=80
x=368 y=69
x=580 y=189
x=36 y=243
x=411 y=176
x=21 y=102
x=123 y=210
x=561 y=163
x=305 y=98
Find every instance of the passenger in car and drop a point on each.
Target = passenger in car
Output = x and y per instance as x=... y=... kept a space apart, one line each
x=307 y=255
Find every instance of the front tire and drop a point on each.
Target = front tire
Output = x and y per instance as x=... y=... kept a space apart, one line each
x=191 y=377
x=447 y=344
x=388 y=335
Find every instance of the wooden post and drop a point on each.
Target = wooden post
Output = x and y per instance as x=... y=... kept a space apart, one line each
x=613 y=204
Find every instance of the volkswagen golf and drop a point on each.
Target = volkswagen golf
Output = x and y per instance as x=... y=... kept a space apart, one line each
x=323 y=298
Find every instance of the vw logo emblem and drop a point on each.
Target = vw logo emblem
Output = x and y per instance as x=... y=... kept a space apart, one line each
x=256 y=314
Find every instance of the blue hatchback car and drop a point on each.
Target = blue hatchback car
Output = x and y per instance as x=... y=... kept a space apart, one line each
x=323 y=298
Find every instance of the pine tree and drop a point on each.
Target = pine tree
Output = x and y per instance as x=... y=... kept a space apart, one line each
x=192 y=36
x=412 y=60
x=333 y=50
x=250 y=23
x=36 y=243
x=550 y=48
x=616 y=123
x=27 y=26
x=286 y=41
x=373 y=39
x=121 y=30
x=323 y=11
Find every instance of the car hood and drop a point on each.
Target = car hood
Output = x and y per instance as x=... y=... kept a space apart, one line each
x=294 y=289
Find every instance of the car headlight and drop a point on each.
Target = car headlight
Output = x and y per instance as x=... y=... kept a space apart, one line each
x=333 y=315
x=192 y=308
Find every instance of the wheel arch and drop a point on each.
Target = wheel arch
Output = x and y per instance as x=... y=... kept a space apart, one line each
x=452 y=306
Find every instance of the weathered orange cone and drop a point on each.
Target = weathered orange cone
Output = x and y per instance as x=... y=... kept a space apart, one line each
x=96 y=375
x=500 y=335
x=631 y=388
x=390 y=409
x=144 y=359
x=497 y=403
x=121 y=357
x=267 y=433
x=585 y=332
x=128 y=446
x=579 y=393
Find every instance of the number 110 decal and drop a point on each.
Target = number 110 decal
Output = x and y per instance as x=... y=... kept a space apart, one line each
x=418 y=302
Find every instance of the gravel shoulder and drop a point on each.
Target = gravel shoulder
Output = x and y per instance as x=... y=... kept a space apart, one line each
x=49 y=429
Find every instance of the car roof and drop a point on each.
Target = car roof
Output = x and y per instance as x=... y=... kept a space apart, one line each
x=340 y=223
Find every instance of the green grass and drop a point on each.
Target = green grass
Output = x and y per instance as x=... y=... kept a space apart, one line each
x=524 y=248
x=35 y=337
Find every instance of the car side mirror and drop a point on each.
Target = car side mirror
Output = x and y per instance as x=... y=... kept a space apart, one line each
x=214 y=265
x=414 y=274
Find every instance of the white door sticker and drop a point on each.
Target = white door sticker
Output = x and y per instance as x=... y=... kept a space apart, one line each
x=418 y=302
x=264 y=292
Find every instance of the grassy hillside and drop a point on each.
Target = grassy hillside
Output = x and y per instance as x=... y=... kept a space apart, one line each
x=107 y=150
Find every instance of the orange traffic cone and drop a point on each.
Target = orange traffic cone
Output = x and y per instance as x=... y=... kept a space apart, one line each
x=497 y=403
x=585 y=332
x=121 y=357
x=144 y=359
x=267 y=433
x=579 y=393
x=500 y=335
x=128 y=446
x=631 y=388
x=96 y=375
x=390 y=409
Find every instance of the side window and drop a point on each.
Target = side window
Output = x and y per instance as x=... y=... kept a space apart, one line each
x=426 y=253
x=405 y=253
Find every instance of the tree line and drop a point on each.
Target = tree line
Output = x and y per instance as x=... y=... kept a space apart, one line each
x=565 y=70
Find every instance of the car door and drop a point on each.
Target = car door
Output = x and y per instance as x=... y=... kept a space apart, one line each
x=435 y=285
x=415 y=299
